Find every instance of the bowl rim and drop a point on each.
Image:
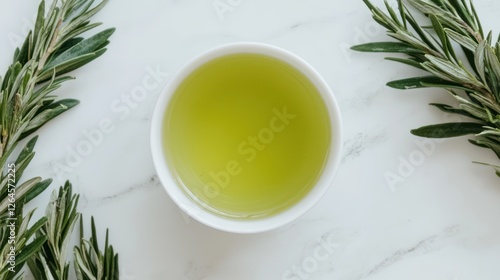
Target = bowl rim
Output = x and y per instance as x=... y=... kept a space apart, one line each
x=167 y=176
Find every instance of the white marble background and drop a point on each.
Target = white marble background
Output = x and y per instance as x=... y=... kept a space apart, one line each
x=439 y=222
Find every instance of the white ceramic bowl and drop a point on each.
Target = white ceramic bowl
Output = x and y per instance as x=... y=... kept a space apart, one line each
x=171 y=184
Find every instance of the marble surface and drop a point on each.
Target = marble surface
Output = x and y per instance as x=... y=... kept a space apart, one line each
x=435 y=219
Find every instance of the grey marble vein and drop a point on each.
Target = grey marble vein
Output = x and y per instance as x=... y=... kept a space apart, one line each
x=152 y=183
x=428 y=244
x=355 y=146
x=302 y=24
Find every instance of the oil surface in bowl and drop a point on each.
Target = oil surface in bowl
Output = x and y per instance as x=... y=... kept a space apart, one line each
x=246 y=135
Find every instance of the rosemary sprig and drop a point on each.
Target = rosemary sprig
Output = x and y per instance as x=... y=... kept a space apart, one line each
x=474 y=84
x=51 y=262
x=90 y=262
x=12 y=220
x=52 y=49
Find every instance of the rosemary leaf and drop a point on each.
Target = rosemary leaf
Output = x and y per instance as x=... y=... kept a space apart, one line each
x=53 y=48
x=478 y=78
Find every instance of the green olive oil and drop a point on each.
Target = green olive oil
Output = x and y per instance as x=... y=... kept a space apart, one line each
x=247 y=135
